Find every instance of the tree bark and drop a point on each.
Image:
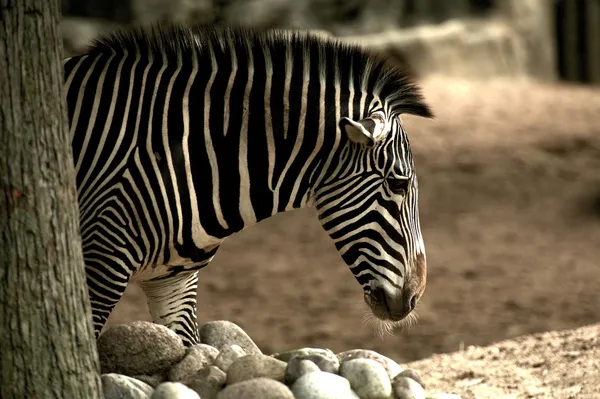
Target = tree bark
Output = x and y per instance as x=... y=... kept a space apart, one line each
x=47 y=345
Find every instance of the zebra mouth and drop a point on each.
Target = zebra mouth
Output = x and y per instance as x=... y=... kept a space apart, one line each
x=378 y=307
x=388 y=307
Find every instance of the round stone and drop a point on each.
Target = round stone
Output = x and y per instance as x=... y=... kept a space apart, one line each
x=173 y=390
x=255 y=366
x=297 y=367
x=407 y=388
x=139 y=348
x=117 y=386
x=228 y=355
x=222 y=333
x=286 y=356
x=322 y=385
x=197 y=357
x=410 y=373
x=257 y=388
x=207 y=382
x=329 y=364
x=403 y=393
x=153 y=380
x=368 y=378
x=392 y=368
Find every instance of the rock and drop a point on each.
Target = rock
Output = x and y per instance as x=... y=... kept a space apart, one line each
x=410 y=373
x=224 y=333
x=296 y=368
x=117 y=386
x=431 y=49
x=368 y=378
x=138 y=348
x=443 y=396
x=286 y=356
x=197 y=357
x=255 y=366
x=322 y=385
x=173 y=390
x=392 y=368
x=257 y=388
x=328 y=364
x=404 y=393
x=153 y=380
x=228 y=355
x=407 y=388
x=207 y=382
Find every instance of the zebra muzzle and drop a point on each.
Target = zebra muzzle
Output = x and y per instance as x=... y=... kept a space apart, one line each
x=390 y=304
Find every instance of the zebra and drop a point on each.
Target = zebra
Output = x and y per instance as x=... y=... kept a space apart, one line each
x=185 y=134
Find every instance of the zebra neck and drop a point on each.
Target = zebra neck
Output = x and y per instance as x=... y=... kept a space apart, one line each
x=264 y=177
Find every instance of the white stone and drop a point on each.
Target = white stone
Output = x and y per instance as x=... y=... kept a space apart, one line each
x=322 y=385
x=173 y=390
x=368 y=378
x=117 y=386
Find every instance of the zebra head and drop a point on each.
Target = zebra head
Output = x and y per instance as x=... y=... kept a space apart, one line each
x=369 y=207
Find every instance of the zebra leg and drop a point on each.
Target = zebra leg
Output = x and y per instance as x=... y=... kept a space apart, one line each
x=105 y=288
x=172 y=302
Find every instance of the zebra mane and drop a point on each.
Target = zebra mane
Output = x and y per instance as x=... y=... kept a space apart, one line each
x=177 y=41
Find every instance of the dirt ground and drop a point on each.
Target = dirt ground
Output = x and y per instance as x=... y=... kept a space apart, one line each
x=558 y=365
x=510 y=209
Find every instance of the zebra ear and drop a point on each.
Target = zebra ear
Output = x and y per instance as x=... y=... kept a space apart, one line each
x=358 y=132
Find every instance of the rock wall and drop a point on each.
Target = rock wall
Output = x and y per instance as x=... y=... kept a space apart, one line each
x=463 y=38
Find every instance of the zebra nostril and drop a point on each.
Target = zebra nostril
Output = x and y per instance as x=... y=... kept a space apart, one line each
x=412 y=303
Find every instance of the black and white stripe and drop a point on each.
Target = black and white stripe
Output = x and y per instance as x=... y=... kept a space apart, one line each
x=185 y=135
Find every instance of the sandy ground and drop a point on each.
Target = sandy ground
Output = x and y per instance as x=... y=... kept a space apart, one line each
x=558 y=364
x=510 y=209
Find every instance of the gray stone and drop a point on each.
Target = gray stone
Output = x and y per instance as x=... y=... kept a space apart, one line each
x=403 y=393
x=257 y=388
x=117 y=386
x=324 y=363
x=410 y=373
x=228 y=355
x=392 y=368
x=153 y=380
x=197 y=357
x=297 y=367
x=456 y=48
x=286 y=356
x=173 y=390
x=207 y=382
x=222 y=333
x=368 y=378
x=407 y=388
x=329 y=364
x=139 y=348
x=255 y=366
x=322 y=385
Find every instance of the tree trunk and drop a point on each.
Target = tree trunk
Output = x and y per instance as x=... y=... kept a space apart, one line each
x=47 y=344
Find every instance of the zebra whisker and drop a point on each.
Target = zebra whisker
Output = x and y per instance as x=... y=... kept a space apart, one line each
x=381 y=328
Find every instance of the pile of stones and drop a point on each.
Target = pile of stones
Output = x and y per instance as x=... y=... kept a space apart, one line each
x=149 y=361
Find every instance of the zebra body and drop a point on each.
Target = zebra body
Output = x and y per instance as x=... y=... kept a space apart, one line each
x=183 y=136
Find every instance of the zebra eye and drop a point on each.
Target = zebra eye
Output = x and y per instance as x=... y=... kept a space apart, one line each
x=398 y=186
